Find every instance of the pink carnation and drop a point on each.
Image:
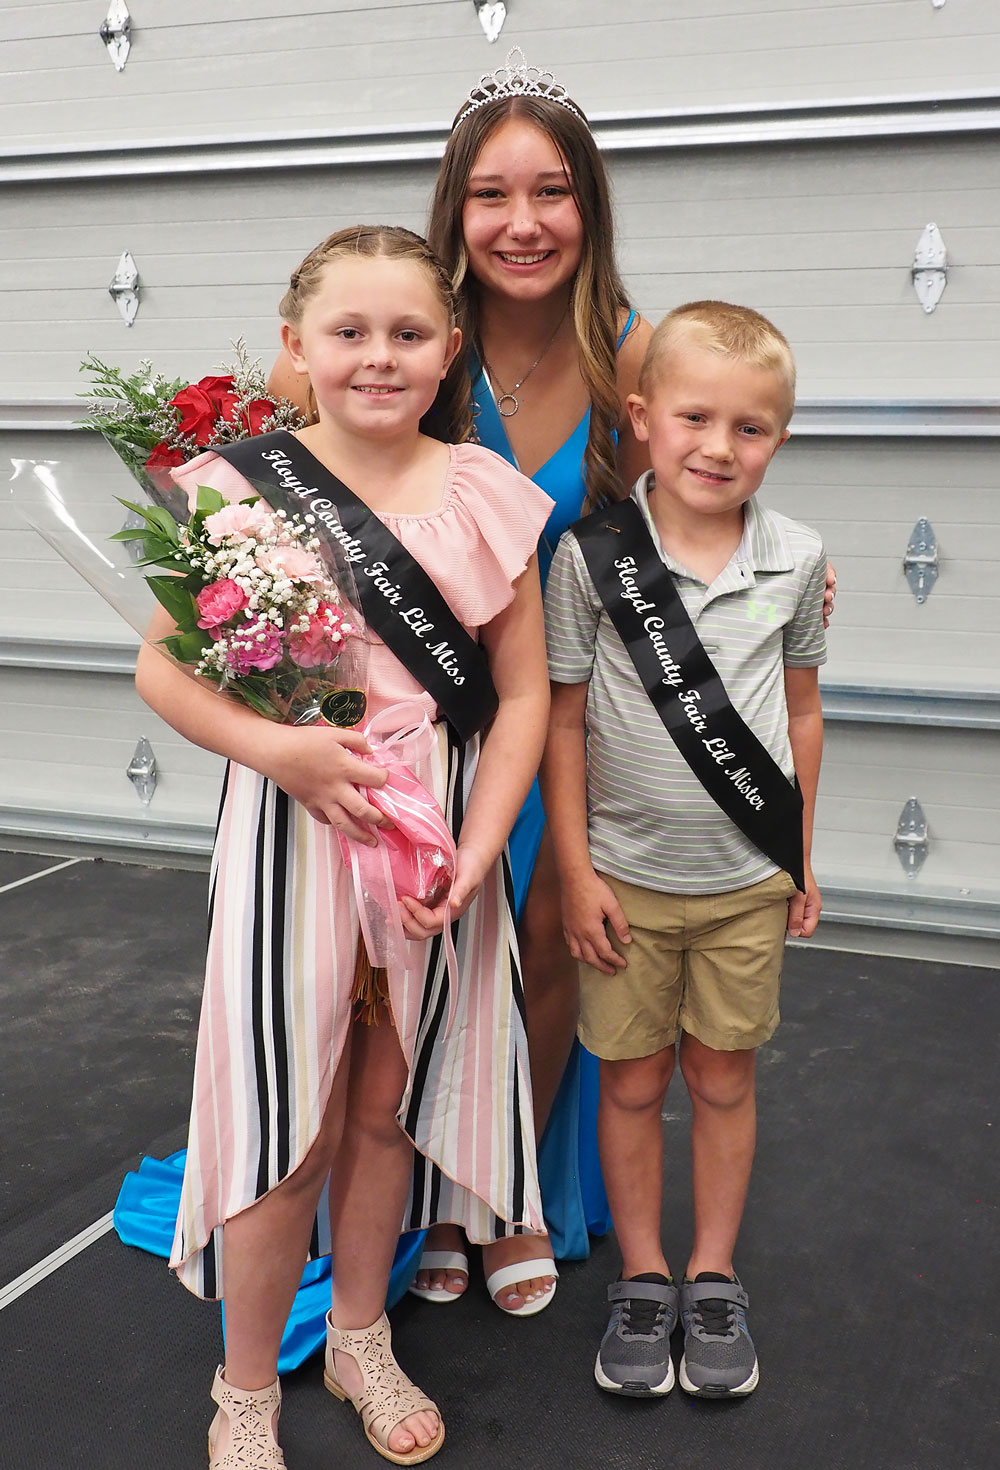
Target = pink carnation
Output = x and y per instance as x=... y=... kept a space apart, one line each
x=291 y=562
x=255 y=646
x=219 y=602
x=236 y=520
x=322 y=641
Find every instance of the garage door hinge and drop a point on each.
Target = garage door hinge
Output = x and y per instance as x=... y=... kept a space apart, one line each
x=921 y=560
x=911 y=841
x=124 y=288
x=492 y=14
x=930 y=268
x=141 y=771
x=115 y=30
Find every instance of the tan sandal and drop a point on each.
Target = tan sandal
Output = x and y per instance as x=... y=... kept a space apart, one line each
x=387 y=1396
x=249 y=1412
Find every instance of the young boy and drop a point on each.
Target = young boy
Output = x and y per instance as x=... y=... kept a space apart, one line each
x=681 y=840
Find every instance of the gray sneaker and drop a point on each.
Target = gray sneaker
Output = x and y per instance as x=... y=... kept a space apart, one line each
x=634 y=1356
x=719 y=1359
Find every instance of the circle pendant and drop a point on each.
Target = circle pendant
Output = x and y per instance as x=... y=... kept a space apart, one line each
x=506 y=413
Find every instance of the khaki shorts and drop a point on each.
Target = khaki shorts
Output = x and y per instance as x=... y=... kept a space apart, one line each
x=706 y=963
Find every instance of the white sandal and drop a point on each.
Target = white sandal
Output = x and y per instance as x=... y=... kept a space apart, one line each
x=523 y=1271
x=249 y=1412
x=441 y=1261
x=387 y=1396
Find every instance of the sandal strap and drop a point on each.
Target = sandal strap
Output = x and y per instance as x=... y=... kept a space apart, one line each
x=387 y=1396
x=249 y=1412
x=520 y=1271
x=444 y=1261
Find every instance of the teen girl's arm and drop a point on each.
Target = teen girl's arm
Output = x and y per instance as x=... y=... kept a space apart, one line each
x=316 y=764
x=805 y=732
x=515 y=646
x=285 y=382
x=587 y=901
x=633 y=457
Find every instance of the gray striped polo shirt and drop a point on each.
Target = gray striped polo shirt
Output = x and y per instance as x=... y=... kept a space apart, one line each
x=650 y=820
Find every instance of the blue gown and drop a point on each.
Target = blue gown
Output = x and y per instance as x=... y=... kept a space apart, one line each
x=576 y=1206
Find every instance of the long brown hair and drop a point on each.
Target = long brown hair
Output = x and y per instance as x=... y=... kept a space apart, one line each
x=598 y=294
x=449 y=417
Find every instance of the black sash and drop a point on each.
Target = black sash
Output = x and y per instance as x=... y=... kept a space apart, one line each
x=398 y=598
x=645 y=607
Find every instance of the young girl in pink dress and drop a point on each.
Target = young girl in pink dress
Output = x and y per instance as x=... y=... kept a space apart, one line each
x=424 y=1116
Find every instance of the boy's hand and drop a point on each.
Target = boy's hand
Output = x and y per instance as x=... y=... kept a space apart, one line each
x=587 y=902
x=420 y=922
x=804 y=909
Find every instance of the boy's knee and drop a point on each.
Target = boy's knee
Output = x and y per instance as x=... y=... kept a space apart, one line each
x=639 y=1082
x=722 y=1079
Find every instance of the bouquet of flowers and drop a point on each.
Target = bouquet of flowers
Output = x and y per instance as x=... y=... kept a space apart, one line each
x=155 y=424
x=256 y=610
x=262 y=606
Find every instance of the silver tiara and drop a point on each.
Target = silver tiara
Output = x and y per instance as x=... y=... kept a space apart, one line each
x=516 y=79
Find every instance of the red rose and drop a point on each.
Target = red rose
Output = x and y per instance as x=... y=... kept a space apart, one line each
x=164 y=457
x=219 y=392
x=198 y=413
x=216 y=387
x=256 y=411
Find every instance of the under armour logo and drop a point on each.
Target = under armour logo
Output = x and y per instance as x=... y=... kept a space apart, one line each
x=764 y=610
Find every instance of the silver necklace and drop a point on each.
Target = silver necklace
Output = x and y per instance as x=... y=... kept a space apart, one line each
x=506 y=413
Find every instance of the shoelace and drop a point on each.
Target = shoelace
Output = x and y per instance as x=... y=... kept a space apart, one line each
x=715 y=1316
x=641 y=1317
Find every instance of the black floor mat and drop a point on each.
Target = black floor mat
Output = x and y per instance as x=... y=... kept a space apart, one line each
x=867 y=1248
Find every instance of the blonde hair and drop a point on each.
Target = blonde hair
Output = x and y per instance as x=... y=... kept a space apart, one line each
x=737 y=332
x=449 y=417
x=598 y=294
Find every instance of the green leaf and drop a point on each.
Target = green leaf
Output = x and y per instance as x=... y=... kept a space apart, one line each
x=186 y=648
x=174 y=596
x=158 y=553
x=131 y=533
x=249 y=692
x=209 y=500
x=163 y=521
x=140 y=510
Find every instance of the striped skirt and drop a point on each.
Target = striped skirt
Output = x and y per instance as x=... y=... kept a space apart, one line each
x=283 y=937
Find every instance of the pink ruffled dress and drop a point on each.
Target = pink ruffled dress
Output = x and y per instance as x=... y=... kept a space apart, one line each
x=283 y=935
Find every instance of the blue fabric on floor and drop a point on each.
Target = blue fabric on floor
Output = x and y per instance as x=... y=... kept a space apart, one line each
x=144 y=1216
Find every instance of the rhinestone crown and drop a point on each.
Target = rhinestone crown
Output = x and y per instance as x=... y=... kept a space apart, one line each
x=516 y=79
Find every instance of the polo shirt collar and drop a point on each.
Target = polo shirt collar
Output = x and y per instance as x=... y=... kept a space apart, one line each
x=763 y=546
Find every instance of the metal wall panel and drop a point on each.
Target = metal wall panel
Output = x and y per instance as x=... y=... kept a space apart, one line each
x=244 y=68
x=819 y=237
x=817 y=227
x=65 y=741
x=865 y=495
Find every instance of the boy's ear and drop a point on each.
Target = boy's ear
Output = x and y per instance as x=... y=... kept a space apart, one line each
x=454 y=344
x=292 y=343
x=783 y=440
x=636 y=405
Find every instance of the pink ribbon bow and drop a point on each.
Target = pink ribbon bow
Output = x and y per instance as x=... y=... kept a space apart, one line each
x=417 y=857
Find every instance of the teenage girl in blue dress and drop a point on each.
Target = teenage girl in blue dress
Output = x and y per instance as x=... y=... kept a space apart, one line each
x=521 y=216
